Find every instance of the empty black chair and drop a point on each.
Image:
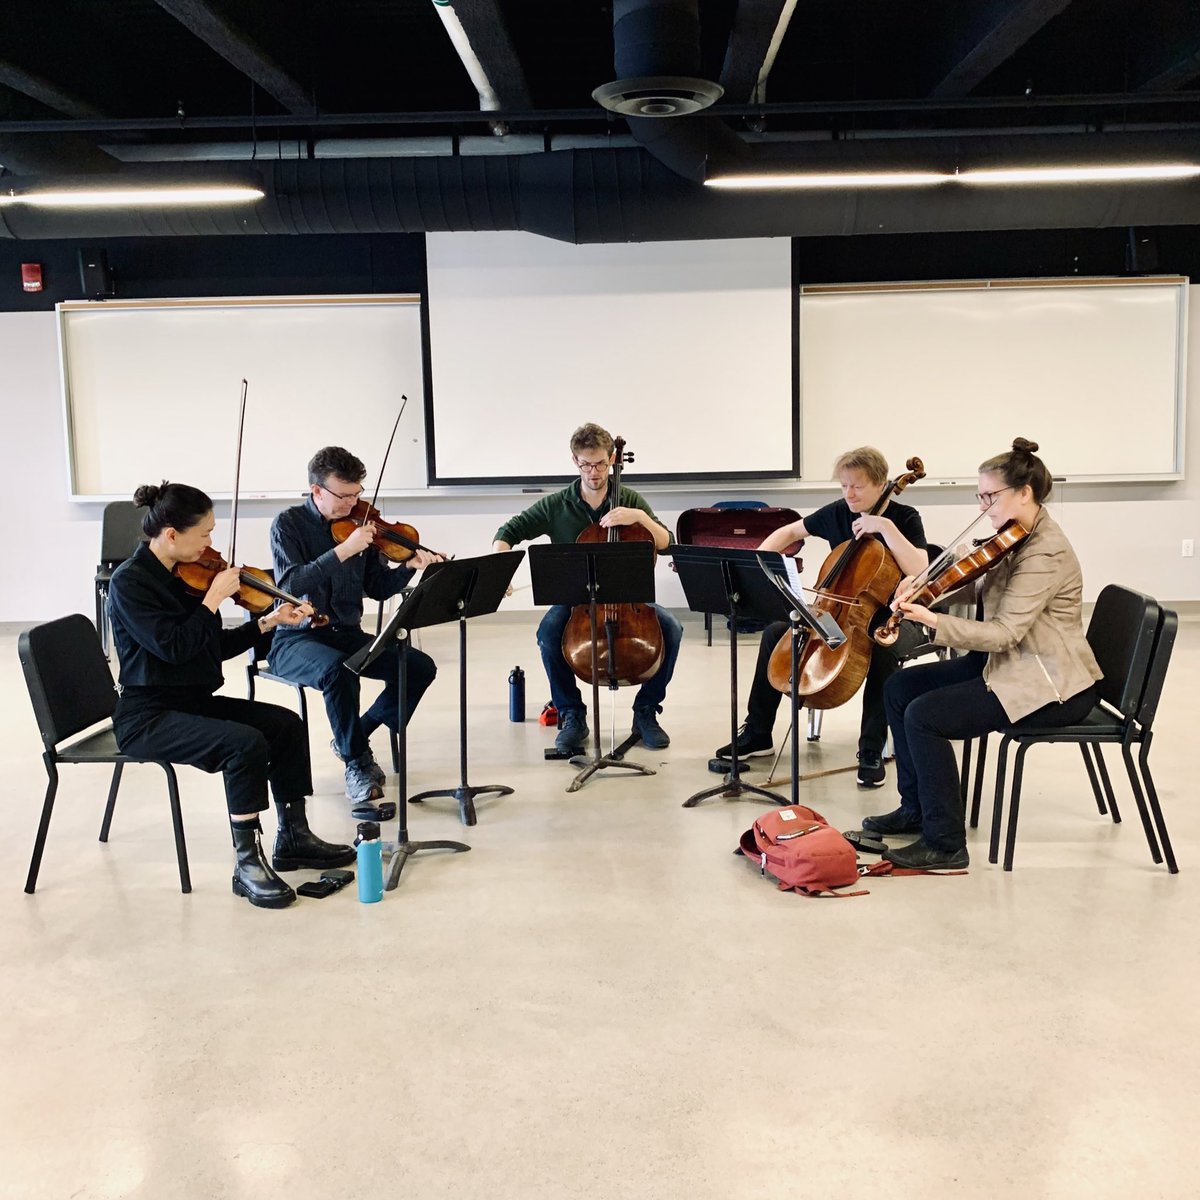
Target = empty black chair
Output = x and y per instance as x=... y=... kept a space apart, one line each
x=71 y=690
x=120 y=533
x=1132 y=637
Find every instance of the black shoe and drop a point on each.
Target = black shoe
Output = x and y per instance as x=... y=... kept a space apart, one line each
x=900 y=820
x=870 y=769
x=922 y=857
x=646 y=726
x=252 y=877
x=751 y=743
x=572 y=731
x=297 y=847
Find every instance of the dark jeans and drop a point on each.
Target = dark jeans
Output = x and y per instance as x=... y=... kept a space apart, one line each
x=885 y=662
x=564 y=685
x=931 y=706
x=250 y=743
x=315 y=660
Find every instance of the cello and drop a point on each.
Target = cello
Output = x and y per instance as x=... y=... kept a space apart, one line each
x=629 y=645
x=857 y=580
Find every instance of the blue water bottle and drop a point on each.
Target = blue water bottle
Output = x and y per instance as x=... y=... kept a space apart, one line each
x=516 y=694
x=370 y=863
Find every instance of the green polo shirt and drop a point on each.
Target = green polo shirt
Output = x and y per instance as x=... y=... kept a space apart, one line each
x=563 y=515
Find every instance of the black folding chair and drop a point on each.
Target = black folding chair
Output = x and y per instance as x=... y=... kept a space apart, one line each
x=120 y=533
x=1132 y=637
x=71 y=689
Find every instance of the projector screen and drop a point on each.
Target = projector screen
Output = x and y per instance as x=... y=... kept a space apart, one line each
x=682 y=348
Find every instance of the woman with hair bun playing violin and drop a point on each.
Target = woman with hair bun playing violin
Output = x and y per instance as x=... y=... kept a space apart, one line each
x=1027 y=664
x=170 y=644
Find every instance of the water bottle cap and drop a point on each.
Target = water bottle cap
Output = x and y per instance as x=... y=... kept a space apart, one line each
x=368 y=831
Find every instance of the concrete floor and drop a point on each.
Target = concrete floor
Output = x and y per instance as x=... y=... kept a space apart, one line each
x=599 y=1000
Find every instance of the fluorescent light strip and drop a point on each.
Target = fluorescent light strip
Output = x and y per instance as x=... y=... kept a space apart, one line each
x=133 y=197
x=1130 y=173
x=833 y=180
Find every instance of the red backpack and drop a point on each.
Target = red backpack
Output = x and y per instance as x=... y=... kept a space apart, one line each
x=803 y=851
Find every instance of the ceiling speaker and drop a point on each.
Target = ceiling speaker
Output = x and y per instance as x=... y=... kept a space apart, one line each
x=658 y=95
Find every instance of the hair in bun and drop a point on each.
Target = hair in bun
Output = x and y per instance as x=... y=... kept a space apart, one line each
x=1020 y=467
x=170 y=506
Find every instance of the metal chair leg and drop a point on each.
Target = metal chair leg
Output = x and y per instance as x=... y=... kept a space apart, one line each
x=1014 y=805
x=1092 y=778
x=964 y=778
x=1106 y=782
x=977 y=796
x=185 y=878
x=998 y=797
x=39 y=843
x=106 y=824
x=1140 y=800
x=1152 y=794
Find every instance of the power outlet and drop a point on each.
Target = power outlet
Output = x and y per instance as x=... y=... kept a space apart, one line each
x=1188 y=548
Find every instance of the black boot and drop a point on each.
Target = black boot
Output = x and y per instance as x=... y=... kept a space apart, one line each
x=252 y=877
x=296 y=846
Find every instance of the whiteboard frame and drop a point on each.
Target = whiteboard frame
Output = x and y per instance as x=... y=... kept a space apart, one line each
x=61 y=310
x=1179 y=282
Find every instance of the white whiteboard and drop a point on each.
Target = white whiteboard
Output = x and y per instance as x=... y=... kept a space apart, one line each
x=682 y=348
x=1093 y=372
x=151 y=390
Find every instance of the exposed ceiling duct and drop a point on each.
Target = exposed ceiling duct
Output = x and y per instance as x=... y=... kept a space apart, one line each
x=624 y=195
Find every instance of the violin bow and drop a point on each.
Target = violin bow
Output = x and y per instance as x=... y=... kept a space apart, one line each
x=237 y=479
x=383 y=465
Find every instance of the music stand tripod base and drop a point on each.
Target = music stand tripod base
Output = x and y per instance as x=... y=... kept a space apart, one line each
x=401 y=852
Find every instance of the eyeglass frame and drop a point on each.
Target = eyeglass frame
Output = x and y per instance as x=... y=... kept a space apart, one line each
x=587 y=466
x=355 y=496
x=987 y=499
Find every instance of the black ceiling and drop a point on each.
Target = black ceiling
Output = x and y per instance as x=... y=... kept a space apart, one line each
x=92 y=84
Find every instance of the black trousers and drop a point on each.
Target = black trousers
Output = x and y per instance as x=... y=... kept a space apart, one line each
x=885 y=662
x=250 y=743
x=931 y=706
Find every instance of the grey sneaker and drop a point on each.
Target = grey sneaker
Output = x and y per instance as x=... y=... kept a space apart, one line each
x=360 y=787
x=367 y=762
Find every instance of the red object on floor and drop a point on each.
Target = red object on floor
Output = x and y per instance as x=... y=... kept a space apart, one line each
x=548 y=715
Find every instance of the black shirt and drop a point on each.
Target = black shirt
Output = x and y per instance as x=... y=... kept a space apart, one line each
x=165 y=637
x=834 y=522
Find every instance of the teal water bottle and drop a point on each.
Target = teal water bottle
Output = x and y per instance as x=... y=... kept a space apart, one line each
x=370 y=863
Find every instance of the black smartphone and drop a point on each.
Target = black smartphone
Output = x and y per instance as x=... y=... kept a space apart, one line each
x=318 y=888
x=337 y=876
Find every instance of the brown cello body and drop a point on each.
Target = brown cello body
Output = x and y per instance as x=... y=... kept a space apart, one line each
x=857 y=579
x=629 y=644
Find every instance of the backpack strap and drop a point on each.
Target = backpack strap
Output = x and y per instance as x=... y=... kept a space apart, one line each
x=883 y=867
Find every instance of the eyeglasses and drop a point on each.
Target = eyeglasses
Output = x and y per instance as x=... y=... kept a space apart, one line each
x=355 y=496
x=591 y=466
x=987 y=499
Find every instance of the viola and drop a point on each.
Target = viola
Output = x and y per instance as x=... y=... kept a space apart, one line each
x=949 y=573
x=857 y=580
x=393 y=539
x=629 y=643
x=257 y=592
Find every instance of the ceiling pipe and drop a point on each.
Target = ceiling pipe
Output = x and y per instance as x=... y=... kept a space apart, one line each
x=489 y=101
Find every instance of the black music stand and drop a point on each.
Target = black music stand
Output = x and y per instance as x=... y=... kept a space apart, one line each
x=426 y=604
x=736 y=584
x=804 y=620
x=594 y=573
x=481 y=583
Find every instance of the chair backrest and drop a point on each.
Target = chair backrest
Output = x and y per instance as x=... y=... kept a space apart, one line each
x=739 y=504
x=1121 y=635
x=120 y=531
x=1160 y=659
x=69 y=682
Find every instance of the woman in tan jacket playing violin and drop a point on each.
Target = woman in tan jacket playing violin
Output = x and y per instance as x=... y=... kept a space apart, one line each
x=1028 y=664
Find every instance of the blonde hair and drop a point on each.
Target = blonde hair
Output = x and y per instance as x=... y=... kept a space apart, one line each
x=591 y=437
x=866 y=459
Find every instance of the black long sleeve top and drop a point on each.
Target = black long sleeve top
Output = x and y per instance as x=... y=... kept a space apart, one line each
x=165 y=637
x=302 y=552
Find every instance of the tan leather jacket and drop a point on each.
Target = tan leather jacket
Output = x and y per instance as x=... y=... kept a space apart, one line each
x=1032 y=627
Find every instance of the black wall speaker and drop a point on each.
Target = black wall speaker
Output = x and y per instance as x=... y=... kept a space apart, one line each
x=94 y=274
x=1141 y=252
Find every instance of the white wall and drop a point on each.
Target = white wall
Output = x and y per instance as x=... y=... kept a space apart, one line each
x=1123 y=532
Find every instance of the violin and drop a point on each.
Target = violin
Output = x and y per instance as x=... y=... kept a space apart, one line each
x=947 y=574
x=393 y=539
x=257 y=592
x=629 y=644
x=857 y=580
